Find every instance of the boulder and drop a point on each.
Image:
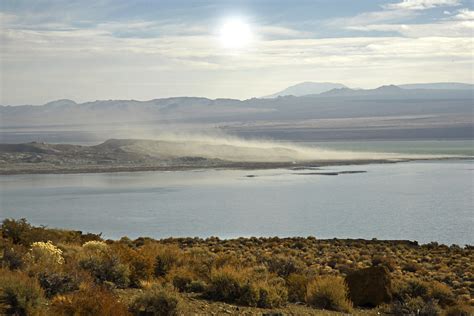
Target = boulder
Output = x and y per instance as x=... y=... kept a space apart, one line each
x=370 y=287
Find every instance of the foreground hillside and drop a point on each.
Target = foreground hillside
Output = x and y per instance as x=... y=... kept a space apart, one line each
x=57 y=272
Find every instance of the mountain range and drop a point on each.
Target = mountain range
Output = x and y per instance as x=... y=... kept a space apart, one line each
x=423 y=110
x=309 y=88
x=306 y=88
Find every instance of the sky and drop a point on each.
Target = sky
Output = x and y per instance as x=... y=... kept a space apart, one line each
x=143 y=49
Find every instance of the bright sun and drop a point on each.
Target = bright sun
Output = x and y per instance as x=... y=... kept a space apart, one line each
x=235 y=34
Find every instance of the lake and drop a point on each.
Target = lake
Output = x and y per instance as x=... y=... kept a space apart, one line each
x=424 y=201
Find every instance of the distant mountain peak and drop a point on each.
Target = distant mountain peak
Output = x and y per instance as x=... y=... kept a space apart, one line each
x=61 y=102
x=388 y=87
x=307 y=87
x=382 y=90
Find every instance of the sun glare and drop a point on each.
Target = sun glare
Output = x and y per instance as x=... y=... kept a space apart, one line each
x=235 y=34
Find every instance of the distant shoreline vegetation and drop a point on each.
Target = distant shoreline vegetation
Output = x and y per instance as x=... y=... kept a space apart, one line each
x=64 y=272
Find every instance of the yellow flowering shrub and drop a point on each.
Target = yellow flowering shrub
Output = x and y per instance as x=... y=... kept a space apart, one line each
x=95 y=247
x=46 y=253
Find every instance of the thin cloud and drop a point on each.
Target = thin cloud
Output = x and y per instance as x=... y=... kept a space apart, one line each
x=465 y=14
x=136 y=57
x=368 y=18
x=422 y=4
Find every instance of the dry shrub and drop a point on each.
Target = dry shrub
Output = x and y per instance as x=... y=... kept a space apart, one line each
x=148 y=284
x=89 y=300
x=442 y=293
x=155 y=301
x=459 y=310
x=185 y=280
x=20 y=294
x=272 y=293
x=140 y=265
x=388 y=262
x=297 y=286
x=230 y=285
x=200 y=261
x=181 y=277
x=226 y=259
x=283 y=266
x=263 y=294
x=411 y=266
x=166 y=258
x=249 y=295
x=225 y=284
x=329 y=292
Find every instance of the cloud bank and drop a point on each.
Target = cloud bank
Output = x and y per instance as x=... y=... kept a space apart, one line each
x=71 y=50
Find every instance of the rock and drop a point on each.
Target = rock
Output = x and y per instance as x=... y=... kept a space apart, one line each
x=370 y=287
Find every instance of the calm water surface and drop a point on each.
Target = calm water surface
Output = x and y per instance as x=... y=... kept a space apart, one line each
x=423 y=201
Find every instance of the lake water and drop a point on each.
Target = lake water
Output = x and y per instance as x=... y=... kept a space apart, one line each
x=424 y=201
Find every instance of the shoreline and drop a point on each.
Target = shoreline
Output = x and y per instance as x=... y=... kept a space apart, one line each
x=29 y=169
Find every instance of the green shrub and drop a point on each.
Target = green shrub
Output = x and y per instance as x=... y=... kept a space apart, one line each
x=411 y=288
x=57 y=283
x=19 y=294
x=22 y=232
x=106 y=268
x=155 y=302
x=12 y=257
x=283 y=266
x=415 y=306
x=182 y=282
x=196 y=286
x=329 y=292
x=16 y=231
x=297 y=286
x=249 y=295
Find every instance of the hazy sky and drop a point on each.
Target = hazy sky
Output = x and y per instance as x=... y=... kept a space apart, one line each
x=121 y=49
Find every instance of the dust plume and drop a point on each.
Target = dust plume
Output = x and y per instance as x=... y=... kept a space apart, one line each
x=231 y=148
